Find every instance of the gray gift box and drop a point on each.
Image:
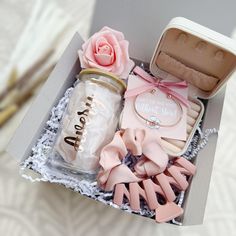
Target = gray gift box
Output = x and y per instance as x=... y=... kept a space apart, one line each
x=62 y=78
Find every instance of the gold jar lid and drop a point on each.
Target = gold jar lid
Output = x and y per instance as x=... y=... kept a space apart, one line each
x=103 y=78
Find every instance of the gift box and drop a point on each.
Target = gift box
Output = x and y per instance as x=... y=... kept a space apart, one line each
x=182 y=41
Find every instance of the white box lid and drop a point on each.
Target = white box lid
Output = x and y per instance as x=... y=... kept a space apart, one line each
x=199 y=48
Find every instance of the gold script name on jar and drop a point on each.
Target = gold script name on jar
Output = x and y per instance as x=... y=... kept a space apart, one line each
x=79 y=128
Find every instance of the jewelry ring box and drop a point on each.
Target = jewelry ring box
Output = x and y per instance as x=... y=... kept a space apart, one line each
x=63 y=77
x=205 y=58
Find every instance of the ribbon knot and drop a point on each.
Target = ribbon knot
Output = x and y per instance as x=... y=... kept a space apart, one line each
x=152 y=83
x=157 y=83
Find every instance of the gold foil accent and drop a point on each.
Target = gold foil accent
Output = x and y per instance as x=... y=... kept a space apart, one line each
x=79 y=128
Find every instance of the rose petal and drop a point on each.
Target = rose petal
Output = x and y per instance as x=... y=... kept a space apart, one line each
x=104 y=59
x=103 y=41
x=112 y=40
x=125 y=49
x=128 y=67
x=105 y=49
x=86 y=43
x=118 y=59
x=100 y=41
x=118 y=71
x=95 y=38
x=128 y=64
x=119 y=35
x=91 y=41
x=89 y=53
x=95 y=65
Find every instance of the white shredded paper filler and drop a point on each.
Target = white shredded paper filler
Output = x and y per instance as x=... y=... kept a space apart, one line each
x=86 y=184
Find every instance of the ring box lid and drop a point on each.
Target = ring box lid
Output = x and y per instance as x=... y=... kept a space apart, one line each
x=198 y=48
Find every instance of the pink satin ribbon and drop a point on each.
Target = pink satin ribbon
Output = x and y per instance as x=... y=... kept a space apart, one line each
x=152 y=82
x=114 y=171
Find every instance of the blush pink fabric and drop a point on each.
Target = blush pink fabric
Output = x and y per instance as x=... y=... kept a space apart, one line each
x=113 y=171
x=107 y=50
x=153 y=82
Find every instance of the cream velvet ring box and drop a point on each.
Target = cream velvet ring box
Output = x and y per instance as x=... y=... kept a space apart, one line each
x=184 y=45
x=202 y=57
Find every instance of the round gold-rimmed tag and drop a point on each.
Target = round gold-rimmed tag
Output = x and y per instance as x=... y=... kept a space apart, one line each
x=158 y=109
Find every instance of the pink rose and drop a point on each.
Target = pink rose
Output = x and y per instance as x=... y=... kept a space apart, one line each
x=107 y=50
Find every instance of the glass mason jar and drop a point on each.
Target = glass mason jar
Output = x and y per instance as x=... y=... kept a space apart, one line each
x=90 y=120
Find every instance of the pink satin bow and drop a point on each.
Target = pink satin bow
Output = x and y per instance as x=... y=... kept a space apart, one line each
x=152 y=82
